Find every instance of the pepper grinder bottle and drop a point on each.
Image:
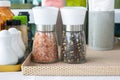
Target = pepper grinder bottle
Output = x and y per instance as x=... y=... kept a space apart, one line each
x=73 y=48
x=45 y=44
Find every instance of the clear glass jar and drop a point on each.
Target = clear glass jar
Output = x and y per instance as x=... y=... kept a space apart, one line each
x=5 y=12
x=73 y=44
x=45 y=45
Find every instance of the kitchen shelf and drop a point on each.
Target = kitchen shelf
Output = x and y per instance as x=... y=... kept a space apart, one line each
x=99 y=63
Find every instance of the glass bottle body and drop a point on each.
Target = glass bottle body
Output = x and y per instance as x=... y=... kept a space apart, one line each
x=45 y=47
x=73 y=47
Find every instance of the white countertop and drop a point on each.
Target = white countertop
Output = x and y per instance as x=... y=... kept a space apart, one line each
x=19 y=76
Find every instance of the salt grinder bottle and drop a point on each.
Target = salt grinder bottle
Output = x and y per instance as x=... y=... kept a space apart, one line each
x=45 y=44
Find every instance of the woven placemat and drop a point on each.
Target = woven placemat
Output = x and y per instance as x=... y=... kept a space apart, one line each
x=99 y=63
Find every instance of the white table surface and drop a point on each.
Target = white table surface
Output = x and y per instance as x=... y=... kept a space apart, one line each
x=19 y=76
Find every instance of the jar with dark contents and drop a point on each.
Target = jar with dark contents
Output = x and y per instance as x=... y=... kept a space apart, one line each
x=73 y=45
x=45 y=45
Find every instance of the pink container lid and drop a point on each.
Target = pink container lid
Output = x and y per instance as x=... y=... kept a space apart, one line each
x=55 y=3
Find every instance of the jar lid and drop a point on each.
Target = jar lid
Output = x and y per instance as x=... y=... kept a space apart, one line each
x=13 y=22
x=23 y=19
x=73 y=15
x=74 y=27
x=45 y=27
x=45 y=15
x=5 y=3
x=25 y=14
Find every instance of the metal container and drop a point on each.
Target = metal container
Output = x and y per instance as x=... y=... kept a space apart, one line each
x=101 y=30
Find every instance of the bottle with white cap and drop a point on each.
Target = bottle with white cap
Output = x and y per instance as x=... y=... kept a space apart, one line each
x=45 y=44
x=73 y=41
x=5 y=12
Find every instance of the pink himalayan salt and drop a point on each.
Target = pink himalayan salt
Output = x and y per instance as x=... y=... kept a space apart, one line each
x=44 y=48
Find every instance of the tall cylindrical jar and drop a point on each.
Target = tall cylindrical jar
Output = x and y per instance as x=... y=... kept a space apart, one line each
x=101 y=24
x=45 y=45
x=101 y=30
x=73 y=48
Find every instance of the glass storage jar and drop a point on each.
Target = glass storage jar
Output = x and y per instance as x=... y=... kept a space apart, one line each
x=45 y=45
x=5 y=12
x=73 y=44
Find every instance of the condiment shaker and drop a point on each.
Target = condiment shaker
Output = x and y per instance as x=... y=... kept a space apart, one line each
x=73 y=48
x=45 y=45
